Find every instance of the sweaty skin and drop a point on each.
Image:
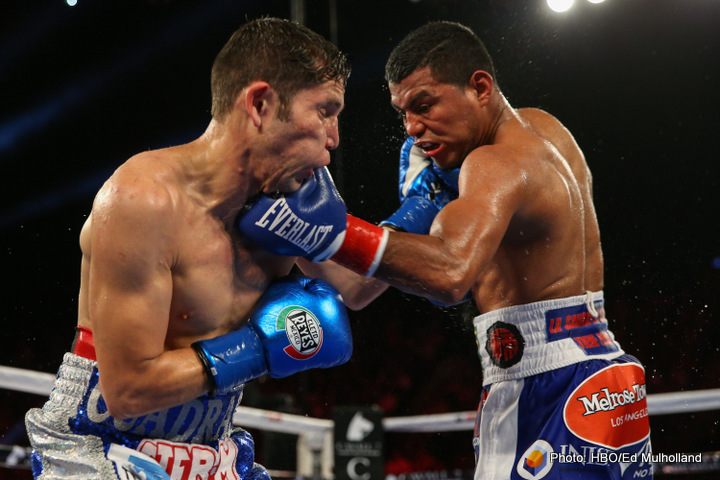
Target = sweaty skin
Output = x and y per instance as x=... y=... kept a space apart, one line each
x=163 y=264
x=523 y=228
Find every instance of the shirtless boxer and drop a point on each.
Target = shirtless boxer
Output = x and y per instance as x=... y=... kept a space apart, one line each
x=559 y=393
x=176 y=310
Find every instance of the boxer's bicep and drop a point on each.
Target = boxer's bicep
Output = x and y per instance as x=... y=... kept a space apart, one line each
x=130 y=287
x=472 y=227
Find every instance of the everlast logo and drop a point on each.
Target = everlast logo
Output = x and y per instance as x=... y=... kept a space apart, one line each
x=283 y=222
x=611 y=400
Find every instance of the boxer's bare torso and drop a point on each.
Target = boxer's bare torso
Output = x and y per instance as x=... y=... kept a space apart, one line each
x=551 y=248
x=523 y=228
x=162 y=267
x=163 y=264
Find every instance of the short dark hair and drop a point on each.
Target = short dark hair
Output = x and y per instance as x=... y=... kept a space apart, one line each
x=285 y=54
x=451 y=50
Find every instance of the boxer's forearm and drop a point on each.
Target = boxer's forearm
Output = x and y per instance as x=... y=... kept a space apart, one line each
x=357 y=291
x=139 y=388
x=420 y=265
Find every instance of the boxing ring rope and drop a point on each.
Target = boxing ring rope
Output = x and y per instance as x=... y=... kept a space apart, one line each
x=316 y=434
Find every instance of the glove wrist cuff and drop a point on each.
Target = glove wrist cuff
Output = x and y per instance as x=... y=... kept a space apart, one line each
x=363 y=246
x=232 y=359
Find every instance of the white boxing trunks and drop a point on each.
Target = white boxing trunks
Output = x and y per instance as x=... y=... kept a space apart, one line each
x=560 y=398
x=74 y=436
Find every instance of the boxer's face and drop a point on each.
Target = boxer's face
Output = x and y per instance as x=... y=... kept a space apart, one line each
x=444 y=119
x=304 y=140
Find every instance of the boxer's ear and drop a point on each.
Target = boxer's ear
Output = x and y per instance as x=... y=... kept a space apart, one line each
x=257 y=100
x=481 y=83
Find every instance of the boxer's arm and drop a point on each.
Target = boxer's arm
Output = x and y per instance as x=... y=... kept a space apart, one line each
x=130 y=290
x=357 y=291
x=464 y=237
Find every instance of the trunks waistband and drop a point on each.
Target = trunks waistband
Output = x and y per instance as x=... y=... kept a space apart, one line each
x=524 y=340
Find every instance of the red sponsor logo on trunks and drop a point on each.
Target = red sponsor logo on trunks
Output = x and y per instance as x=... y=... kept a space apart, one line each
x=580 y=319
x=504 y=344
x=185 y=461
x=610 y=407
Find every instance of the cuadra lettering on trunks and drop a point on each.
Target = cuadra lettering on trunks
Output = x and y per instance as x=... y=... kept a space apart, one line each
x=303 y=331
x=282 y=221
x=195 y=421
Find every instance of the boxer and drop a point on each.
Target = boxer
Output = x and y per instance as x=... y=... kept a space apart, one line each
x=177 y=310
x=298 y=324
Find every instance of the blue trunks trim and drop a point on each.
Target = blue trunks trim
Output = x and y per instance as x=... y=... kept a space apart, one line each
x=590 y=332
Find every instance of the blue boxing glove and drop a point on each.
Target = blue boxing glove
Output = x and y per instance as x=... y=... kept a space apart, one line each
x=415 y=215
x=298 y=323
x=420 y=177
x=313 y=223
x=308 y=223
x=424 y=189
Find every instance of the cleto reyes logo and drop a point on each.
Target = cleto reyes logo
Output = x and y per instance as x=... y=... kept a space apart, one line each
x=303 y=331
x=610 y=407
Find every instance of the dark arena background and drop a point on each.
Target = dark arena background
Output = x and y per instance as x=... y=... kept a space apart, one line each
x=83 y=87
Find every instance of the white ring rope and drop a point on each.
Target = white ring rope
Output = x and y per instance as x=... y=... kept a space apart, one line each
x=26 y=380
x=658 y=404
x=315 y=434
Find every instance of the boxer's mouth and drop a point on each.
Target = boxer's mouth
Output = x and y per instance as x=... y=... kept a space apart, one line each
x=428 y=148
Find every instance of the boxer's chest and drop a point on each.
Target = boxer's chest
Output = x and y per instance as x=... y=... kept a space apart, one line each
x=217 y=280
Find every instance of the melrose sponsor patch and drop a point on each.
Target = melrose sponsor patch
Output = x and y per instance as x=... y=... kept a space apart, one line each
x=610 y=407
